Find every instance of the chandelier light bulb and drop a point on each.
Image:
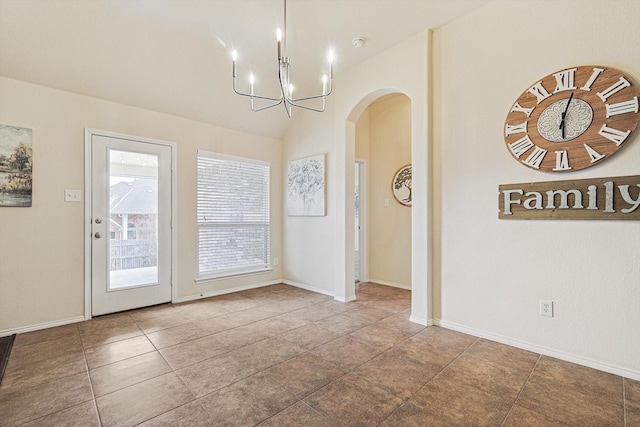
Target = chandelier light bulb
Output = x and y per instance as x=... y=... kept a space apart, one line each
x=252 y=79
x=234 y=55
x=279 y=37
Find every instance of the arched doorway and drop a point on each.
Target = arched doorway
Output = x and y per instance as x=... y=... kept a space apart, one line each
x=420 y=217
x=383 y=216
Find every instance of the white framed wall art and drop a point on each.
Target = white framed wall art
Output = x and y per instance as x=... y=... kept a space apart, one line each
x=306 y=186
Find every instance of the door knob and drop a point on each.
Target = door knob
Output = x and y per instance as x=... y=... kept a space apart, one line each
x=98 y=235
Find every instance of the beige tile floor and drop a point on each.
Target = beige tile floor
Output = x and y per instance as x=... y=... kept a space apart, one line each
x=280 y=356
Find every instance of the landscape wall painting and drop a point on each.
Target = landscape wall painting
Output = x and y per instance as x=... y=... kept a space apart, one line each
x=16 y=174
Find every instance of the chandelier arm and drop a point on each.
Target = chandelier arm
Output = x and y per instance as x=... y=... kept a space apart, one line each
x=317 y=110
x=267 y=106
x=266 y=98
x=277 y=100
x=308 y=98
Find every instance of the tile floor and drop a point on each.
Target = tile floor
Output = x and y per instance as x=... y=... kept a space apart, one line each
x=280 y=356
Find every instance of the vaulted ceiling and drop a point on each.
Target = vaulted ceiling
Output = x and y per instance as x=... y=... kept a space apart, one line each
x=174 y=56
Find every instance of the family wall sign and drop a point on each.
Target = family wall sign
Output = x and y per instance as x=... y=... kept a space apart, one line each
x=616 y=198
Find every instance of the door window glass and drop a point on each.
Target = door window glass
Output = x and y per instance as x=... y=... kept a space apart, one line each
x=133 y=219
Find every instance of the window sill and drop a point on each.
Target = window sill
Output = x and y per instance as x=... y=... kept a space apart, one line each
x=230 y=274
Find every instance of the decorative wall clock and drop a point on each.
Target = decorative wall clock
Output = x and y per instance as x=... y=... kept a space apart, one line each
x=572 y=119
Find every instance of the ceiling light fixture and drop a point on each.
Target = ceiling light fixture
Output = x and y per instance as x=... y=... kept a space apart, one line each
x=286 y=87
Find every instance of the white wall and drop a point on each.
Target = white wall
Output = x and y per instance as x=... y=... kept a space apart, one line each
x=492 y=273
x=308 y=241
x=42 y=247
x=362 y=136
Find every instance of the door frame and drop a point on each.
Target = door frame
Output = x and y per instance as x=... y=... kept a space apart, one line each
x=363 y=222
x=88 y=192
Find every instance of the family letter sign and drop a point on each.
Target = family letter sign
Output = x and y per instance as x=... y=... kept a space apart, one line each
x=615 y=198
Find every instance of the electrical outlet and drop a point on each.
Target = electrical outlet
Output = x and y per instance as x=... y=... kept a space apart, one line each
x=275 y=261
x=546 y=308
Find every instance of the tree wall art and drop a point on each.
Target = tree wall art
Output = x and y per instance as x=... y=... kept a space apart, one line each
x=16 y=166
x=401 y=185
x=305 y=187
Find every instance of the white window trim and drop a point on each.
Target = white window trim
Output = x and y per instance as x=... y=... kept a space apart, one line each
x=218 y=156
x=236 y=272
x=242 y=271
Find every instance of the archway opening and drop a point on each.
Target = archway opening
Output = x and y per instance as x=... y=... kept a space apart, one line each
x=345 y=256
x=382 y=196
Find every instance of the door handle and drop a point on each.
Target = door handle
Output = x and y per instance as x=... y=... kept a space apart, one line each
x=98 y=235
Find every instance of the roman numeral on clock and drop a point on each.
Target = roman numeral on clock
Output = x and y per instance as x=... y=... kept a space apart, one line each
x=521 y=146
x=539 y=92
x=613 y=135
x=595 y=156
x=564 y=80
x=521 y=109
x=562 y=161
x=622 y=107
x=594 y=75
x=536 y=157
x=511 y=129
x=614 y=88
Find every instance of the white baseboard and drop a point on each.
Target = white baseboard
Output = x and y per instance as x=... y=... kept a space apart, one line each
x=45 y=325
x=541 y=350
x=63 y=322
x=420 y=320
x=350 y=299
x=392 y=284
x=307 y=287
x=319 y=291
x=226 y=291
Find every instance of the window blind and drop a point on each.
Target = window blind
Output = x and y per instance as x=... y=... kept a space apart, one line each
x=233 y=215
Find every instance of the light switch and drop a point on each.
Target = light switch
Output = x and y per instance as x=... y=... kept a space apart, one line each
x=72 y=195
x=386 y=202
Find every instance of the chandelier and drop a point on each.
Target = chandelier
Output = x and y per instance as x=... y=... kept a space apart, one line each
x=286 y=87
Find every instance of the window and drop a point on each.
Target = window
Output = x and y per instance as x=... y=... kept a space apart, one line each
x=233 y=215
x=131 y=231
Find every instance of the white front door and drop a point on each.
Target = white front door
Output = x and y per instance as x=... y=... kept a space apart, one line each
x=130 y=222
